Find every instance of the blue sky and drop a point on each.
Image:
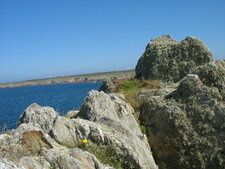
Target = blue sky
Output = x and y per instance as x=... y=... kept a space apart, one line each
x=55 y=37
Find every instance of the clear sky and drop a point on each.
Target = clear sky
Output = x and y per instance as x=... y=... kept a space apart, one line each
x=42 y=38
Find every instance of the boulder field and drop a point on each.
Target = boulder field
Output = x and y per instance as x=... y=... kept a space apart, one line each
x=184 y=119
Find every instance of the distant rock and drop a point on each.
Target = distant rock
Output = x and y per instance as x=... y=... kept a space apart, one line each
x=109 y=85
x=42 y=117
x=186 y=127
x=169 y=60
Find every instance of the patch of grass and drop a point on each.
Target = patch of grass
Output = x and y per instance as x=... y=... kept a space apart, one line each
x=130 y=88
x=143 y=129
x=105 y=153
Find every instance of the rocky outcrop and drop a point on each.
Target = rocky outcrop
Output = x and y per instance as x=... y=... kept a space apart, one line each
x=184 y=121
x=212 y=74
x=42 y=117
x=186 y=127
x=107 y=120
x=29 y=146
x=46 y=140
x=169 y=60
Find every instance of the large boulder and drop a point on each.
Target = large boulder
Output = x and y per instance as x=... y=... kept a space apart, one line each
x=186 y=128
x=169 y=60
x=107 y=121
x=42 y=117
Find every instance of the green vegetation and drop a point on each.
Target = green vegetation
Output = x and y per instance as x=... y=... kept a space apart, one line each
x=105 y=153
x=143 y=129
x=130 y=89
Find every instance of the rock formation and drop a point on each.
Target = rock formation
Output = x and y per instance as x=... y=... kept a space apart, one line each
x=186 y=127
x=167 y=59
x=107 y=120
x=109 y=85
x=185 y=124
x=29 y=146
x=42 y=117
x=46 y=140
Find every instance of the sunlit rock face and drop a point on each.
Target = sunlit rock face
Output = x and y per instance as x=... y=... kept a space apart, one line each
x=169 y=60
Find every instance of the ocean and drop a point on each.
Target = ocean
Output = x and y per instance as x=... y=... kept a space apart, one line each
x=62 y=97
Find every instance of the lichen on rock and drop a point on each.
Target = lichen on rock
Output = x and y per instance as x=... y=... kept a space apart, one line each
x=167 y=59
x=186 y=127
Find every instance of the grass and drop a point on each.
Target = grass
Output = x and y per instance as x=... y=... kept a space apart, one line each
x=105 y=153
x=143 y=129
x=131 y=87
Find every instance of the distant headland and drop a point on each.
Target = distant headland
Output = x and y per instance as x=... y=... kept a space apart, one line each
x=83 y=78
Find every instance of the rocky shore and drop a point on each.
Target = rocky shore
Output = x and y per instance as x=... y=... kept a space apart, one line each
x=46 y=140
x=177 y=119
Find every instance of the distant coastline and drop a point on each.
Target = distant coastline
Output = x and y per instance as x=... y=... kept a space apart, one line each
x=83 y=78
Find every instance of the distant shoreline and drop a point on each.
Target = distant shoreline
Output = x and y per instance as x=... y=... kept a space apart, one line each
x=84 y=78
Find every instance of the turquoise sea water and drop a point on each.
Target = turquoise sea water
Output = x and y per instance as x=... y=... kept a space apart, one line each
x=62 y=97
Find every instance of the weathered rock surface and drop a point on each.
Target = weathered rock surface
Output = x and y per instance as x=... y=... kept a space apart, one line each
x=72 y=114
x=42 y=117
x=45 y=140
x=212 y=74
x=107 y=120
x=29 y=146
x=169 y=60
x=186 y=127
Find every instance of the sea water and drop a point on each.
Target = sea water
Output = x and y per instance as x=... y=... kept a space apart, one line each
x=62 y=97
